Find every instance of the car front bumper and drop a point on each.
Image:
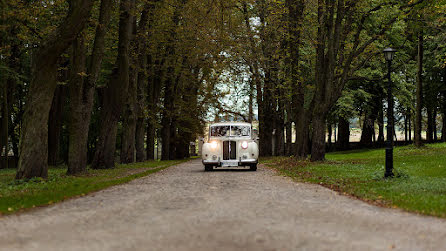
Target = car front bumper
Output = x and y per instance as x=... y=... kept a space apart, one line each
x=230 y=163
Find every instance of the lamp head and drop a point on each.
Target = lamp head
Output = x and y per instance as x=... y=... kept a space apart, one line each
x=389 y=53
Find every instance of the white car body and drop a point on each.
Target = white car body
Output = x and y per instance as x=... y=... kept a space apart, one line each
x=230 y=144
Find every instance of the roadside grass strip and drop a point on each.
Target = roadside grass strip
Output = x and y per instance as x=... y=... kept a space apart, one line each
x=17 y=195
x=419 y=184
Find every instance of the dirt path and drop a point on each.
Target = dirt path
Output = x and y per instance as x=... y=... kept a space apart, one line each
x=185 y=208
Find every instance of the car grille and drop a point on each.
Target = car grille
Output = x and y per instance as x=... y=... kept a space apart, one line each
x=229 y=150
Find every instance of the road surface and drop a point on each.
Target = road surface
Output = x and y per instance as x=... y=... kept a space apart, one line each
x=185 y=208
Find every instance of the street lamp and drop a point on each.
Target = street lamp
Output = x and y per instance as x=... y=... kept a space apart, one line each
x=388 y=54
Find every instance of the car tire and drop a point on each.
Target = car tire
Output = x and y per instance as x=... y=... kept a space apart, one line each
x=207 y=168
x=253 y=167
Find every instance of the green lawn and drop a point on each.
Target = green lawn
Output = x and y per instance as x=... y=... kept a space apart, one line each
x=419 y=185
x=19 y=195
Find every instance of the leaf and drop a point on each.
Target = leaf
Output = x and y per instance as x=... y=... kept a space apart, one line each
x=82 y=74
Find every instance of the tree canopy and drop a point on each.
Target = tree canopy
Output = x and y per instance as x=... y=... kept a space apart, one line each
x=85 y=81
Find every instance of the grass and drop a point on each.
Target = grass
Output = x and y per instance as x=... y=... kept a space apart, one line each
x=419 y=184
x=20 y=195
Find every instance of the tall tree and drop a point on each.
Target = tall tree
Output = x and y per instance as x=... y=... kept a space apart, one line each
x=345 y=32
x=115 y=92
x=169 y=88
x=4 y=149
x=443 y=106
x=419 y=94
x=128 y=139
x=301 y=113
x=55 y=125
x=33 y=159
x=145 y=24
x=82 y=88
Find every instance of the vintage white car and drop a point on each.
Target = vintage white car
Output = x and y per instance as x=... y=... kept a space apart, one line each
x=230 y=144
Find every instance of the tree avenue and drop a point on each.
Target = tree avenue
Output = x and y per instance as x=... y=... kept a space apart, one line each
x=93 y=82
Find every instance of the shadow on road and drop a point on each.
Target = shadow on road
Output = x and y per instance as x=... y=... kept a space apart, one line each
x=222 y=170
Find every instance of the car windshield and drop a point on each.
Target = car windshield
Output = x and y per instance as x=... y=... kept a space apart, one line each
x=219 y=131
x=240 y=130
x=237 y=131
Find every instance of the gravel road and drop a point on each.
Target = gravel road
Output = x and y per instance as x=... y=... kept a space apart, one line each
x=185 y=208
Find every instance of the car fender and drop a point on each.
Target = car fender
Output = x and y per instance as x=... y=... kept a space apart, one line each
x=253 y=149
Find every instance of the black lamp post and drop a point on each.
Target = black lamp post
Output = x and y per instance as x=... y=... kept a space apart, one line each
x=388 y=54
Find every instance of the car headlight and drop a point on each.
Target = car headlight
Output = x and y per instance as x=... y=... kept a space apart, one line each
x=214 y=145
x=244 y=144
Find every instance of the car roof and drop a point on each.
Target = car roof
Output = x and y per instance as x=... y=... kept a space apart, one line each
x=230 y=123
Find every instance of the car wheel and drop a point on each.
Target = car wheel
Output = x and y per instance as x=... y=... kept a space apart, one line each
x=253 y=167
x=207 y=168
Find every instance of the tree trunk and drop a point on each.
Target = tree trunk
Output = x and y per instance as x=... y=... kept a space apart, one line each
x=330 y=134
x=182 y=145
x=150 y=150
x=133 y=124
x=405 y=129
x=251 y=102
x=409 y=119
x=295 y=16
x=144 y=26
x=173 y=143
x=335 y=134
x=129 y=122
x=128 y=134
x=8 y=87
x=302 y=129
x=443 y=108
x=79 y=122
x=343 y=134
x=429 y=130
x=279 y=133
x=166 y=120
x=55 y=125
x=254 y=68
x=115 y=92
x=19 y=114
x=4 y=144
x=419 y=92
x=367 y=130
x=443 y=127
x=443 y=118
x=33 y=160
x=169 y=90
x=139 y=145
x=318 y=137
x=434 y=123
x=266 y=127
x=380 y=123
x=281 y=141
x=288 y=136
x=153 y=96
x=140 y=109
x=82 y=91
x=266 y=121
x=288 y=129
